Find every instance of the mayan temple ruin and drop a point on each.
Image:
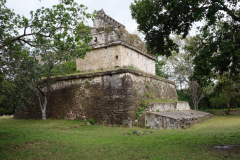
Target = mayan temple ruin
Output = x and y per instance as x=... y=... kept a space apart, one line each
x=113 y=47
x=117 y=85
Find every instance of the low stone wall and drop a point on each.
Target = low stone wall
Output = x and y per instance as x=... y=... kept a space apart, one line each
x=110 y=97
x=171 y=106
x=174 y=119
x=235 y=112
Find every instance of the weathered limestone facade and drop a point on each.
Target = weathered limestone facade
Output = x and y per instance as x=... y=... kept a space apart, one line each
x=113 y=47
x=111 y=97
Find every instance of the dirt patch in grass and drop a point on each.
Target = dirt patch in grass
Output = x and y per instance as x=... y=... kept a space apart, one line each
x=39 y=143
x=36 y=143
x=70 y=127
x=230 y=149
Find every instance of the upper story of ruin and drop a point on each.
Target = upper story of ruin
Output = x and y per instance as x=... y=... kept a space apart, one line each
x=113 y=46
x=107 y=32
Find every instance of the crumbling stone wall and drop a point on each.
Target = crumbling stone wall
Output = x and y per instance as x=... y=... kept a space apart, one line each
x=103 y=20
x=109 y=97
x=106 y=36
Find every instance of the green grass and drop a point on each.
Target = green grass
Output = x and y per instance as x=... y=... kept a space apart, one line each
x=220 y=109
x=101 y=70
x=87 y=72
x=72 y=139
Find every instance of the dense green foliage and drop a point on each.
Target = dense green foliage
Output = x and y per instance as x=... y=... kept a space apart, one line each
x=226 y=91
x=218 y=52
x=10 y=92
x=91 y=121
x=211 y=100
x=185 y=95
x=68 y=139
x=8 y=98
x=218 y=49
x=67 y=67
x=49 y=41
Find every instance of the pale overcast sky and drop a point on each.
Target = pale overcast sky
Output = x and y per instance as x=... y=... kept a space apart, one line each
x=117 y=9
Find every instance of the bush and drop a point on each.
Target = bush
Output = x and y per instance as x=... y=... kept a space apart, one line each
x=148 y=95
x=137 y=115
x=143 y=103
x=140 y=109
x=91 y=121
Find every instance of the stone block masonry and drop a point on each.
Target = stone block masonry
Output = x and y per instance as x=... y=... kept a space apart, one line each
x=114 y=56
x=169 y=106
x=110 y=97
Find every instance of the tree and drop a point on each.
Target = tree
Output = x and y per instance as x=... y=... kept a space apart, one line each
x=56 y=29
x=11 y=64
x=183 y=67
x=51 y=36
x=159 y=19
x=159 y=64
x=219 y=52
x=227 y=91
x=8 y=97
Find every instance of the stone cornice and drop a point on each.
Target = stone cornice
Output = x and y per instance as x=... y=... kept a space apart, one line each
x=117 y=71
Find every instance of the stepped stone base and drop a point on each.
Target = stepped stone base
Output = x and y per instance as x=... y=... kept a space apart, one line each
x=110 y=97
x=174 y=119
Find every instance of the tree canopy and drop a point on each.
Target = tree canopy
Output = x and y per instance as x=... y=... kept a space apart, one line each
x=29 y=59
x=220 y=46
x=57 y=29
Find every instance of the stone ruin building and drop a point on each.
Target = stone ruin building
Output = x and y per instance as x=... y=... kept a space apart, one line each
x=124 y=81
x=113 y=47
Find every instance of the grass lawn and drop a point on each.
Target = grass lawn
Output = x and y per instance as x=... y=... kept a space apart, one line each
x=72 y=139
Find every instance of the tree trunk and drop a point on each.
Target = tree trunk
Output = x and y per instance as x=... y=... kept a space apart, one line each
x=43 y=108
x=230 y=104
x=43 y=115
x=196 y=97
x=195 y=103
x=229 y=107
